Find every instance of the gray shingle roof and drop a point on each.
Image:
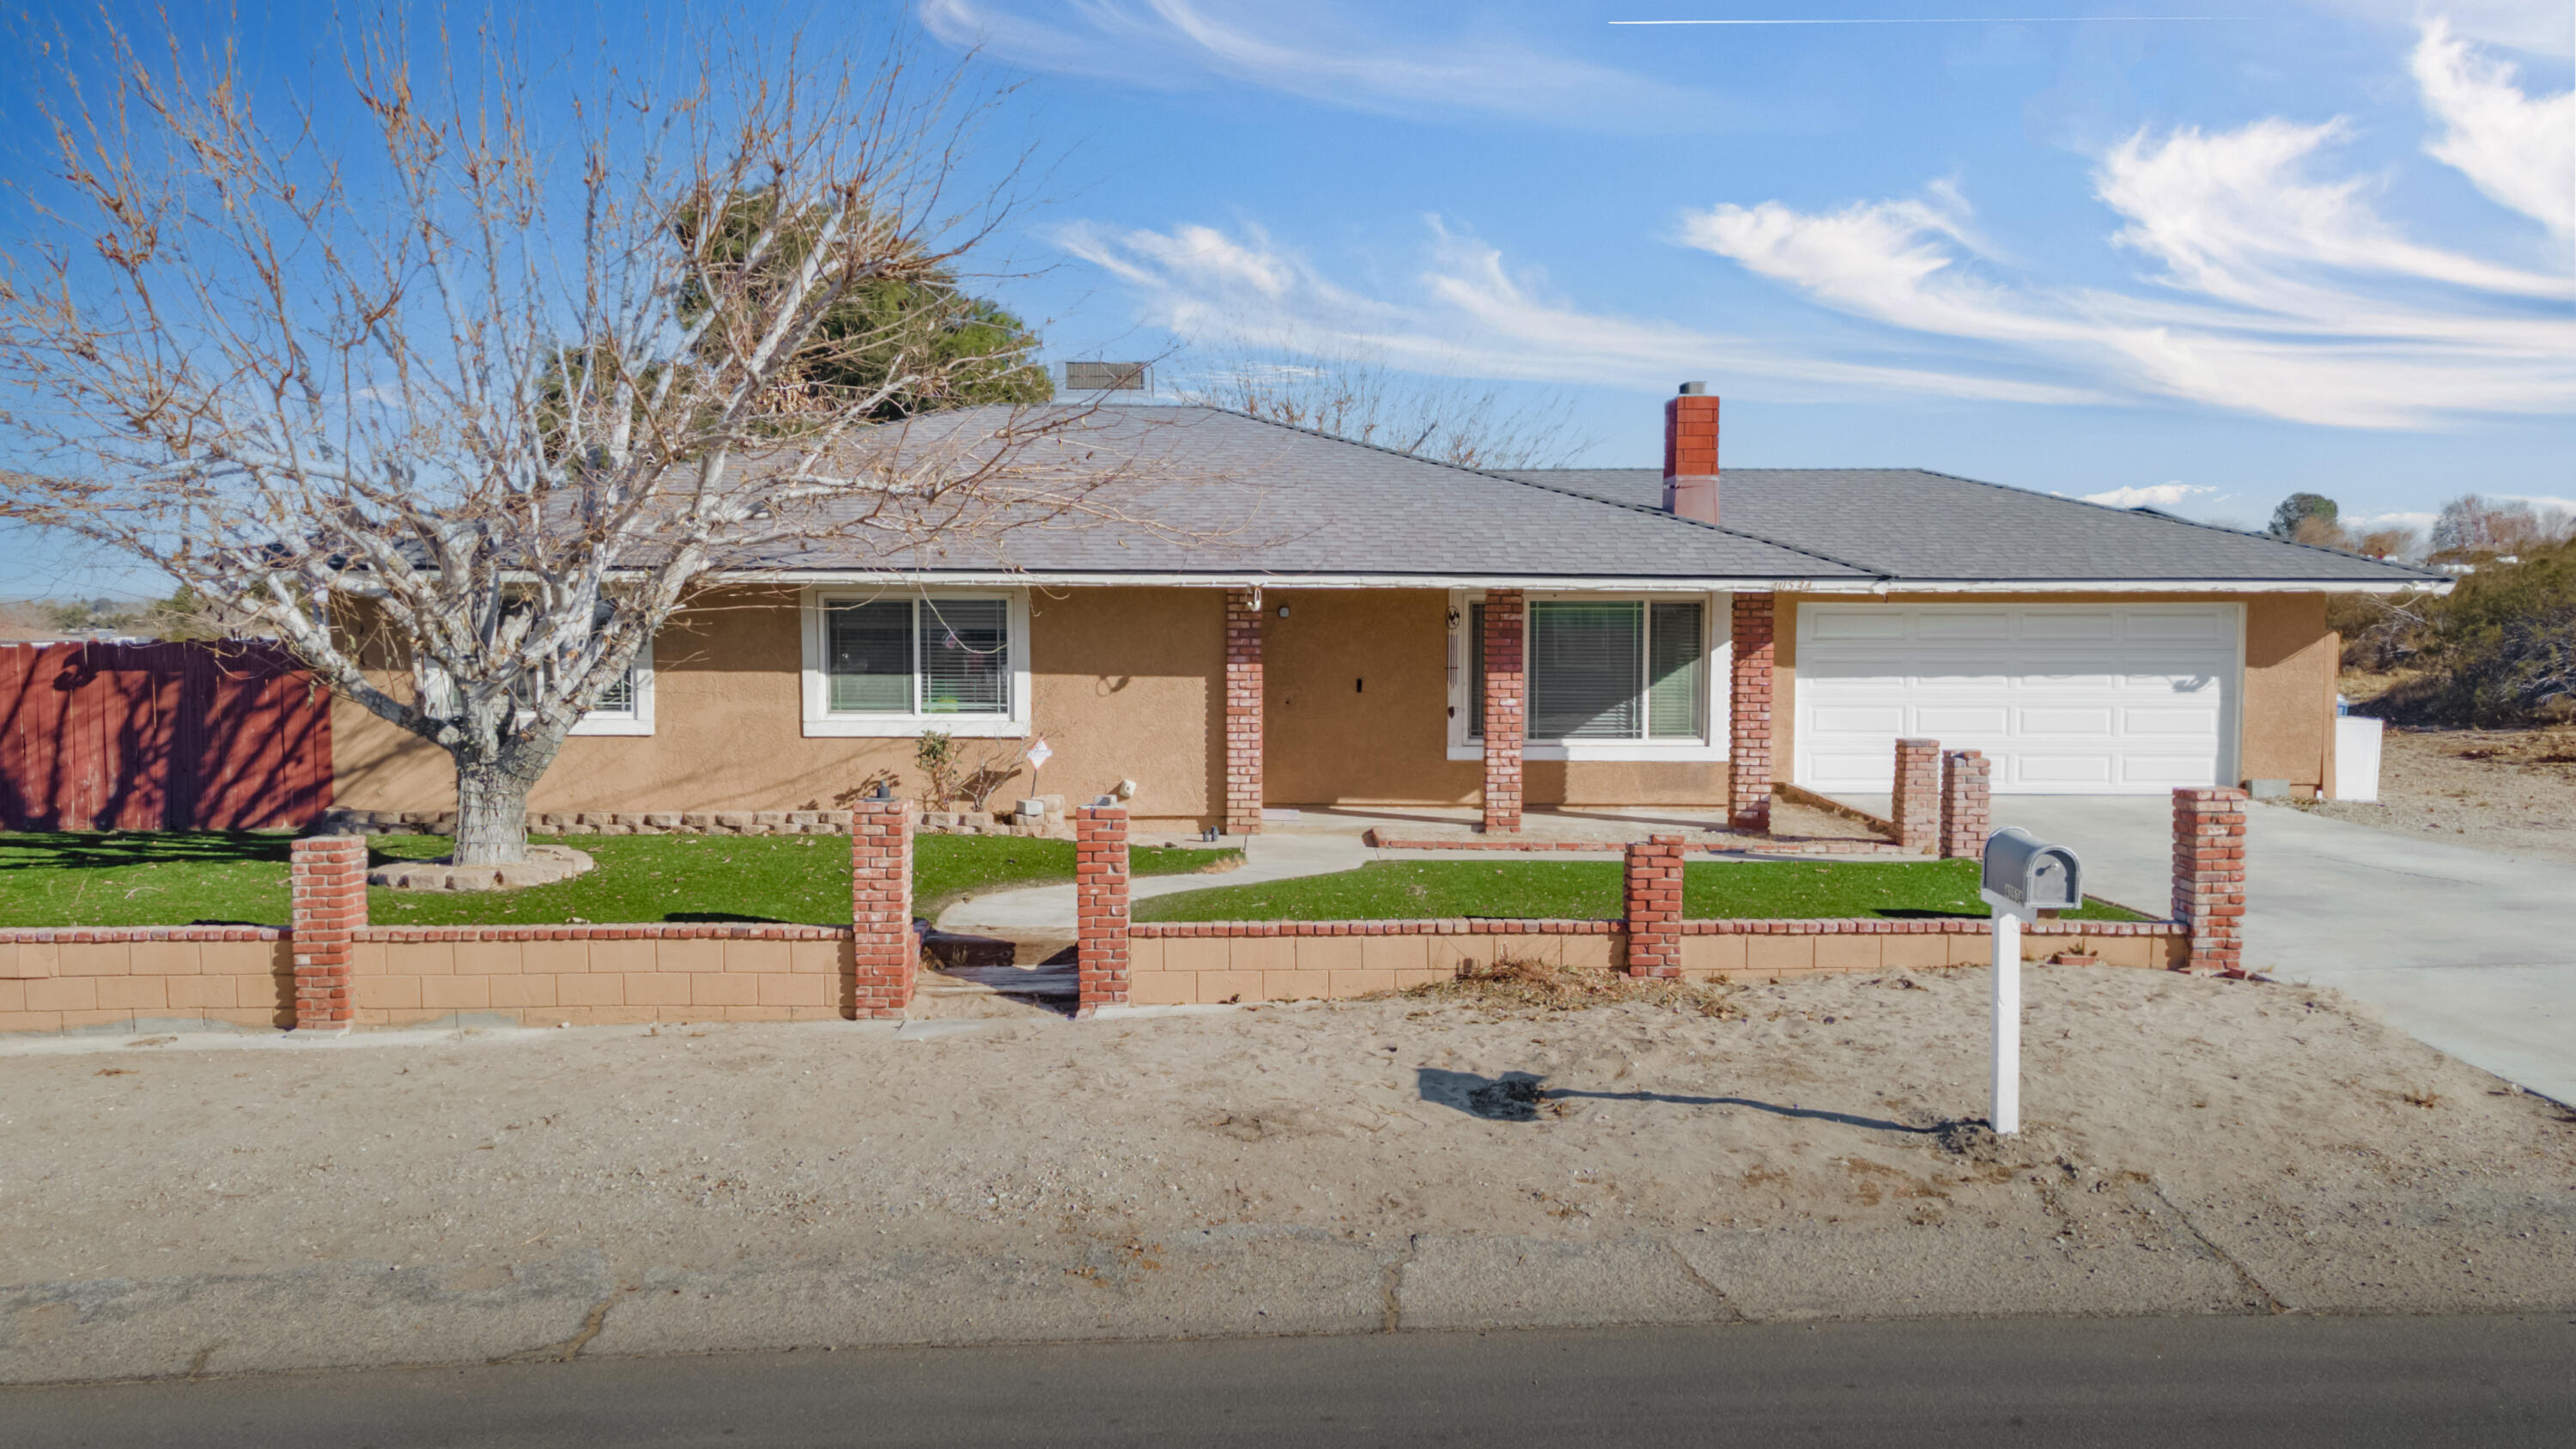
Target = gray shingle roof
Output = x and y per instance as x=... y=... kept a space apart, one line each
x=1909 y=524
x=1230 y=495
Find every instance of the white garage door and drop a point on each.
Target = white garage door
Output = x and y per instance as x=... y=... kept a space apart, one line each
x=2066 y=699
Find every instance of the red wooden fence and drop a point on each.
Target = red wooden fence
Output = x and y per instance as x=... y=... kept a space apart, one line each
x=161 y=737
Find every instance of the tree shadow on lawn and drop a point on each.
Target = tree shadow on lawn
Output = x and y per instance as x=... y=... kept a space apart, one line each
x=1515 y=1097
x=108 y=850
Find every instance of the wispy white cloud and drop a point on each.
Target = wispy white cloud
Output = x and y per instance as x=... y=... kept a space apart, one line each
x=1361 y=59
x=2154 y=495
x=2276 y=290
x=2517 y=148
x=2540 y=26
x=1467 y=313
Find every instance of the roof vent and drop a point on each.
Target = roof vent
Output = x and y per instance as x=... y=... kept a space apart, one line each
x=1104 y=377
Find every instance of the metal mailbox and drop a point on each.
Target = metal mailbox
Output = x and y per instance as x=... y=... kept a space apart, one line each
x=2025 y=875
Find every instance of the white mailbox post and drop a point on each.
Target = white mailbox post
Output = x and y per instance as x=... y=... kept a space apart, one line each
x=2022 y=877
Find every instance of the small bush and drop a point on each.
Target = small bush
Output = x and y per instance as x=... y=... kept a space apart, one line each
x=2499 y=651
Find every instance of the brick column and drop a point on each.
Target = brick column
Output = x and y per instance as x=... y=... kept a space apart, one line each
x=885 y=953
x=2209 y=875
x=1506 y=706
x=1748 y=745
x=1967 y=807
x=327 y=886
x=1916 y=804
x=1100 y=904
x=1242 y=713
x=1654 y=889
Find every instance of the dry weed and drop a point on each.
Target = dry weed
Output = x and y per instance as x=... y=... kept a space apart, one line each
x=1509 y=983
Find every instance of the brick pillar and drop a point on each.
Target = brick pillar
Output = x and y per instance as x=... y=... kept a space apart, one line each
x=1915 y=805
x=1506 y=706
x=885 y=953
x=327 y=884
x=1654 y=889
x=2209 y=875
x=1242 y=713
x=1748 y=745
x=1100 y=904
x=1967 y=808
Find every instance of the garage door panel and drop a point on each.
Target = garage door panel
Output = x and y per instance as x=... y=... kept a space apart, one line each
x=2092 y=723
x=2065 y=699
x=1954 y=721
x=2062 y=771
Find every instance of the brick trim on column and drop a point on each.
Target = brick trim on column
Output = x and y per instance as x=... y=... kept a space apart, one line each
x=1967 y=804
x=327 y=889
x=2209 y=875
x=1506 y=707
x=1748 y=726
x=1100 y=889
x=1915 y=806
x=1243 y=712
x=1653 y=880
x=885 y=955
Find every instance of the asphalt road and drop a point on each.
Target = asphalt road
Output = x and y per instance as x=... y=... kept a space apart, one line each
x=2255 y=1381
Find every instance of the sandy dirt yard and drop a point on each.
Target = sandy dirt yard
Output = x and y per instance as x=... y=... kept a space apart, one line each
x=2510 y=791
x=2194 y=1146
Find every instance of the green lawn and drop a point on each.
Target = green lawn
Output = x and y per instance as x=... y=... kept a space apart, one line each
x=1414 y=890
x=156 y=879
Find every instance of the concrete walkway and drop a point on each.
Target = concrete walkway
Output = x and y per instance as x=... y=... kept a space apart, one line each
x=2470 y=952
x=1033 y=909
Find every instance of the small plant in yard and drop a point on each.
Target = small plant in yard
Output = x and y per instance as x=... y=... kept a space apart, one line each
x=1525 y=984
x=937 y=757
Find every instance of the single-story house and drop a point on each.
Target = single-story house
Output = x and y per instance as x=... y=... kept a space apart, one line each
x=1289 y=619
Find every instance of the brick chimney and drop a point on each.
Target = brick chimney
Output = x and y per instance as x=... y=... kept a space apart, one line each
x=1690 y=454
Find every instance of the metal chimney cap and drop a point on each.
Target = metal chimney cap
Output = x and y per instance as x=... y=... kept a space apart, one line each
x=1694 y=389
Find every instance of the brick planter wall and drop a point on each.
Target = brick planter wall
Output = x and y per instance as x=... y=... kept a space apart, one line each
x=1748 y=725
x=1653 y=880
x=1506 y=707
x=601 y=975
x=2209 y=875
x=1100 y=892
x=145 y=978
x=884 y=954
x=1916 y=804
x=328 y=880
x=1967 y=804
x=1243 y=713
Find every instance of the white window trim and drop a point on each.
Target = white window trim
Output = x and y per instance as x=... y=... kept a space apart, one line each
x=822 y=723
x=637 y=721
x=1717 y=654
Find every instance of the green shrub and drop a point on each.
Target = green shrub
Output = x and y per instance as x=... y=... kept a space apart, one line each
x=2500 y=650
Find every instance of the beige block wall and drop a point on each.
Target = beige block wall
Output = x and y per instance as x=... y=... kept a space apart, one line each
x=111 y=985
x=1748 y=958
x=1125 y=685
x=2285 y=713
x=600 y=983
x=1179 y=971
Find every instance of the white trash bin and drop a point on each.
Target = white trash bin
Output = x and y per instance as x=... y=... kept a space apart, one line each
x=2356 y=758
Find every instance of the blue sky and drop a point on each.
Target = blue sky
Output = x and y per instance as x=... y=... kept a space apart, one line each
x=2318 y=247
x=2203 y=263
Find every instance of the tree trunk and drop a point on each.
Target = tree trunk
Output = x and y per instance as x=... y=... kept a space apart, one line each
x=492 y=811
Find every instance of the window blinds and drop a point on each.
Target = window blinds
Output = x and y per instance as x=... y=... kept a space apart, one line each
x=965 y=660
x=1673 y=672
x=1585 y=663
x=870 y=649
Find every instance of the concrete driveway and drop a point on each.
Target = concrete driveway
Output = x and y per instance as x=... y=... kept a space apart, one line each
x=2470 y=952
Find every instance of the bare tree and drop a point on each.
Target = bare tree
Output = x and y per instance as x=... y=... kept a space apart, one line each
x=506 y=367
x=2472 y=529
x=1356 y=396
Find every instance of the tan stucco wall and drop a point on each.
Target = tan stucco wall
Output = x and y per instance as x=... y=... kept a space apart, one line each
x=1356 y=705
x=2285 y=712
x=1124 y=683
